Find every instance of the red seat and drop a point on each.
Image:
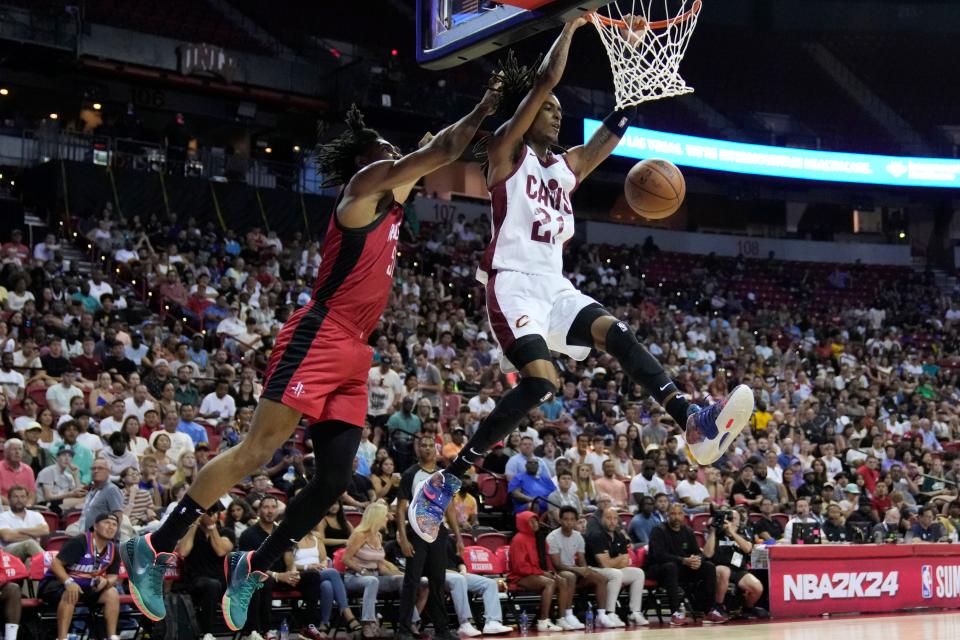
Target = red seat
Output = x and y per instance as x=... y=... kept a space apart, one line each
x=56 y=542
x=493 y=491
x=781 y=518
x=467 y=539
x=39 y=563
x=70 y=518
x=626 y=518
x=53 y=520
x=353 y=517
x=493 y=541
x=700 y=521
x=701 y=538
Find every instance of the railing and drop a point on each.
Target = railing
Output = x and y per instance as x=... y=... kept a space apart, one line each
x=30 y=147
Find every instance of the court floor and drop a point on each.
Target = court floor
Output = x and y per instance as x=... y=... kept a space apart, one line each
x=914 y=626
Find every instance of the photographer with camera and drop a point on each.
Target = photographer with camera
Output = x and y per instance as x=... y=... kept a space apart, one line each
x=730 y=549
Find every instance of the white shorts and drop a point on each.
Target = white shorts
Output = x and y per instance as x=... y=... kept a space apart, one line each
x=523 y=304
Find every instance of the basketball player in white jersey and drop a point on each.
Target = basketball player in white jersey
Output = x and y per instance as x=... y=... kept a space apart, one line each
x=532 y=307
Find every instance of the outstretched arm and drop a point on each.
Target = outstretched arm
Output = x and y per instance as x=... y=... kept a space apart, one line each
x=585 y=158
x=503 y=145
x=399 y=176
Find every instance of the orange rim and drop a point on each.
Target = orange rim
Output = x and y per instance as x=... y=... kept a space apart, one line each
x=659 y=24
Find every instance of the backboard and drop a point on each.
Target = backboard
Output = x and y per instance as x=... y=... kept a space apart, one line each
x=451 y=32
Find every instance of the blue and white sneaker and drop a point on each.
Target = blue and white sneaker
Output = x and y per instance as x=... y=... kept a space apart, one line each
x=712 y=429
x=429 y=504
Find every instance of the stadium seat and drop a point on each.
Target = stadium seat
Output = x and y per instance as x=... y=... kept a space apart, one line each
x=493 y=540
x=493 y=491
x=483 y=561
x=781 y=518
x=56 y=541
x=353 y=517
x=53 y=520
x=70 y=518
x=700 y=521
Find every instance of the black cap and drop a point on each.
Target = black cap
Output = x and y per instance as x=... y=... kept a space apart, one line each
x=105 y=515
x=386 y=360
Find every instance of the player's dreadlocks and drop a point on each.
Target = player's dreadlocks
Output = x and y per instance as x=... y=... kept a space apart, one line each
x=516 y=79
x=336 y=160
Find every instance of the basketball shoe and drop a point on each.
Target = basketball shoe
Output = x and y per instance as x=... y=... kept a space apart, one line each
x=242 y=583
x=429 y=503
x=712 y=429
x=146 y=569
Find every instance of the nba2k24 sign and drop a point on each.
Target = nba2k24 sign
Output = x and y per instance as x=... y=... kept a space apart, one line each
x=862 y=578
x=811 y=586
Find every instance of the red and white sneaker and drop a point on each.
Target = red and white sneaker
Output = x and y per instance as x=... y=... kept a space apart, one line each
x=715 y=616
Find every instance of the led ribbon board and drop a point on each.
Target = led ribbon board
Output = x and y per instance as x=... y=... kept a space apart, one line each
x=782 y=162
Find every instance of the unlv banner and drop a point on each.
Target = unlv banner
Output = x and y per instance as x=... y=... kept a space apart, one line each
x=812 y=580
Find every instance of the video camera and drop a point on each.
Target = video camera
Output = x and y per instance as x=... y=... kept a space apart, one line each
x=720 y=518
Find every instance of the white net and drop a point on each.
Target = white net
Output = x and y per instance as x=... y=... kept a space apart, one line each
x=645 y=41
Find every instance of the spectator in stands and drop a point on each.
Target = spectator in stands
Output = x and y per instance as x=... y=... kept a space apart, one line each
x=360 y=492
x=564 y=496
x=891 y=529
x=20 y=528
x=530 y=489
x=87 y=362
x=518 y=463
x=11 y=600
x=250 y=540
x=187 y=425
x=82 y=456
x=692 y=493
x=674 y=559
x=218 y=404
x=14 y=473
x=179 y=441
x=117 y=455
x=367 y=567
x=729 y=547
x=646 y=483
x=567 y=549
x=643 y=523
x=138 y=503
x=746 y=491
x=802 y=515
x=766 y=527
x=926 y=528
x=527 y=574
x=460 y=583
x=59 y=485
x=185 y=392
x=85 y=572
x=11 y=381
x=103 y=498
x=835 y=527
x=321 y=586
x=613 y=486
x=118 y=362
x=203 y=549
x=34 y=455
x=582 y=454
x=54 y=362
x=114 y=422
x=138 y=403
x=607 y=552
x=156 y=379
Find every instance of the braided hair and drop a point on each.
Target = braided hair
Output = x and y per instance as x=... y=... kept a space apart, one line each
x=336 y=159
x=516 y=81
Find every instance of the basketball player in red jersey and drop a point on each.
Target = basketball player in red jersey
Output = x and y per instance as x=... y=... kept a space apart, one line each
x=532 y=307
x=320 y=363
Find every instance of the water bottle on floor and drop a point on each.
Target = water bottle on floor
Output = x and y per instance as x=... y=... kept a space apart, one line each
x=284 y=630
x=524 y=622
x=588 y=620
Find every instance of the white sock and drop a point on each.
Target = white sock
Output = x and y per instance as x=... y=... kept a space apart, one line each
x=10 y=631
x=568 y=613
x=601 y=612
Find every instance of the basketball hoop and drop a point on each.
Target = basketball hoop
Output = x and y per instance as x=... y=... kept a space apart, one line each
x=646 y=61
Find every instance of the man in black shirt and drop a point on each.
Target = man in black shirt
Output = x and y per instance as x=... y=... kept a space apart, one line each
x=54 y=362
x=674 y=558
x=359 y=491
x=746 y=491
x=424 y=559
x=766 y=527
x=118 y=361
x=729 y=547
x=203 y=549
x=835 y=529
x=250 y=540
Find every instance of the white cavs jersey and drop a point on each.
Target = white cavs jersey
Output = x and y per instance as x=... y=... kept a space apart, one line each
x=532 y=218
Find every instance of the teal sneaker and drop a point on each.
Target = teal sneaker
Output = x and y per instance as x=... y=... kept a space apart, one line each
x=429 y=504
x=146 y=569
x=242 y=583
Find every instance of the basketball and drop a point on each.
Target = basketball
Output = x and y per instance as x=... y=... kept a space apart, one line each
x=655 y=188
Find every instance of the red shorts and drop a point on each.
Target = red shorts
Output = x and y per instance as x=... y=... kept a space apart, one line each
x=319 y=366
